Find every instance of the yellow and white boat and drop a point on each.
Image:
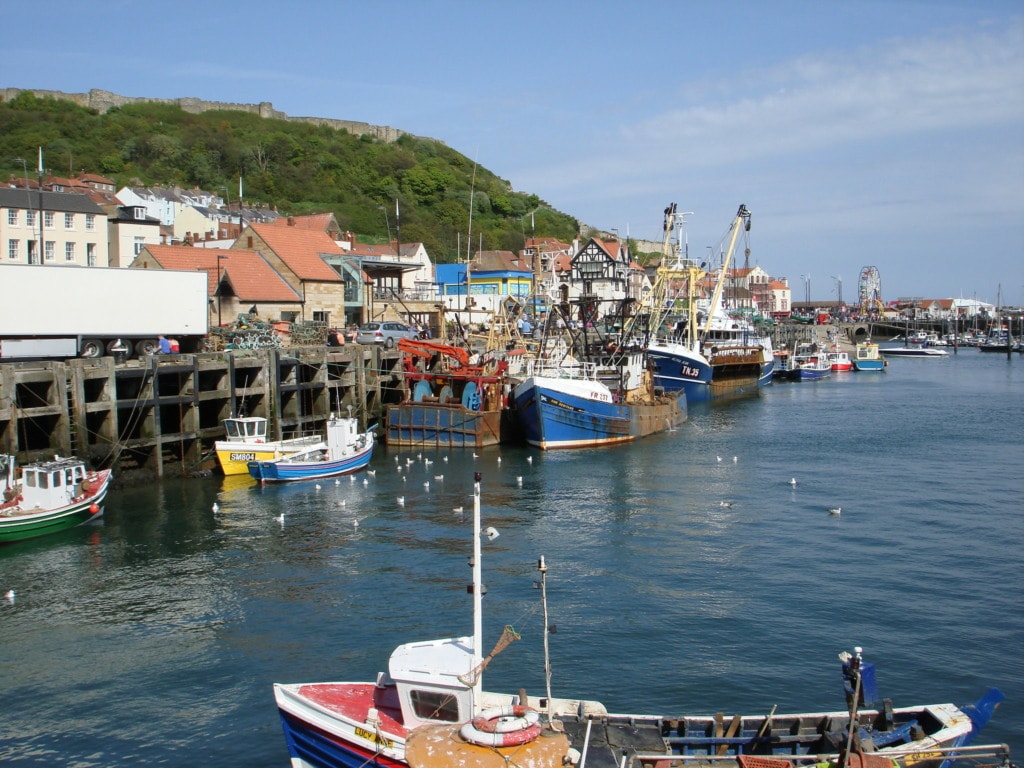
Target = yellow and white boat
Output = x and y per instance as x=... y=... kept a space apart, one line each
x=246 y=440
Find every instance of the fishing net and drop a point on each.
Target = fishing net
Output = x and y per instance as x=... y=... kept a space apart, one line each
x=508 y=636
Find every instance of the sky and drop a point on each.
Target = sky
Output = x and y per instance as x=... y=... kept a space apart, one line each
x=863 y=133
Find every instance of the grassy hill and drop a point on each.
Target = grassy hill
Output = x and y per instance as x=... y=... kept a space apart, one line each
x=297 y=168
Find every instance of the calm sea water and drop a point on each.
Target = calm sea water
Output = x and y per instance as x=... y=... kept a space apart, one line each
x=154 y=637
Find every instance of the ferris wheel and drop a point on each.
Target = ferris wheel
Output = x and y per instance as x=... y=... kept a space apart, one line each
x=869 y=290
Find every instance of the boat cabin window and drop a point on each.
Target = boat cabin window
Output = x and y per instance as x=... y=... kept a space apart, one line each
x=432 y=705
x=31 y=480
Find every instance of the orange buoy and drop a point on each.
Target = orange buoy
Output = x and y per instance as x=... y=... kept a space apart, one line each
x=94 y=508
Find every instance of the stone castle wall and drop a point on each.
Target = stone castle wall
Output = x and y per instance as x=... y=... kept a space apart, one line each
x=102 y=101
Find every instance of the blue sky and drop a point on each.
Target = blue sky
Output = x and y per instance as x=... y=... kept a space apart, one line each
x=859 y=133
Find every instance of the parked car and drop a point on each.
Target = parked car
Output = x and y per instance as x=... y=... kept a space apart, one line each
x=386 y=333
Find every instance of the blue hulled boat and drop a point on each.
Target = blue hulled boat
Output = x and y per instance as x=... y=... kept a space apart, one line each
x=570 y=406
x=712 y=352
x=344 y=451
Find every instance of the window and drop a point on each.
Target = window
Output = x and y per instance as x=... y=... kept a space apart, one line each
x=50 y=246
x=432 y=705
x=48 y=219
x=90 y=254
x=138 y=212
x=13 y=246
x=138 y=245
x=12 y=217
x=69 y=221
x=69 y=251
x=90 y=222
x=30 y=218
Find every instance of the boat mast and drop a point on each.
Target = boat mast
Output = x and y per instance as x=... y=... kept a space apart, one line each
x=741 y=215
x=478 y=619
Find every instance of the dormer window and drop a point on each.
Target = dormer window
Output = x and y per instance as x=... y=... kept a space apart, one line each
x=138 y=212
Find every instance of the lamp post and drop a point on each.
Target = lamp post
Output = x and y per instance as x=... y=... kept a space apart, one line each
x=839 y=288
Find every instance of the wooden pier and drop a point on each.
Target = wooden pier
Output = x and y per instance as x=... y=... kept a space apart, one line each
x=166 y=411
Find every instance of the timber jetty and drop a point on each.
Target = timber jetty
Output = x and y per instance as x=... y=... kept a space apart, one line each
x=163 y=413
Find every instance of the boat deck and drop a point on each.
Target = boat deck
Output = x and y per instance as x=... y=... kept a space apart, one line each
x=354 y=700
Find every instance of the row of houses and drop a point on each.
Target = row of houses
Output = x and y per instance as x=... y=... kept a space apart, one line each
x=307 y=268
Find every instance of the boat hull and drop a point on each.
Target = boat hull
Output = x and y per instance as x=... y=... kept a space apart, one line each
x=234 y=458
x=442 y=426
x=333 y=734
x=553 y=413
x=17 y=525
x=914 y=352
x=869 y=365
x=284 y=471
x=677 y=368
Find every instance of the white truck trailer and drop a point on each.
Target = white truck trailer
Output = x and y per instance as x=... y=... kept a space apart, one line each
x=59 y=312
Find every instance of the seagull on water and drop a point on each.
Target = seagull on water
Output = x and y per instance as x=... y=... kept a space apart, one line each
x=215 y=507
x=519 y=480
x=726 y=504
x=836 y=511
x=401 y=501
x=792 y=481
x=529 y=459
x=337 y=481
x=499 y=459
x=735 y=459
x=426 y=485
x=318 y=486
x=718 y=458
x=474 y=455
x=365 y=481
x=439 y=477
x=280 y=519
x=10 y=596
x=457 y=510
x=446 y=459
x=341 y=503
x=371 y=472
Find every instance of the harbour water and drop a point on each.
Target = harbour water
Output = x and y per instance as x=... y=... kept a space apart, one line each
x=153 y=637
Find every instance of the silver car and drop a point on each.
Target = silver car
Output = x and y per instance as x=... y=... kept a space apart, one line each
x=387 y=333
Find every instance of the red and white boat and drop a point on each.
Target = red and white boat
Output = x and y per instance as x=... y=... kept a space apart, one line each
x=840 y=360
x=429 y=710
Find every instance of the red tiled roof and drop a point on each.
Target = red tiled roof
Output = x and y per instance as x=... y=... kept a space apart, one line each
x=249 y=274
x=300 y=250
x=318 y=221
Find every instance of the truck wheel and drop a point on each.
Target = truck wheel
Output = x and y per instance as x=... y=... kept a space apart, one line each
x=91 y=348
x=145 y=347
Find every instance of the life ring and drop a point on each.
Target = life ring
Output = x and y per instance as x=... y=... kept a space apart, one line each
x=507 y=726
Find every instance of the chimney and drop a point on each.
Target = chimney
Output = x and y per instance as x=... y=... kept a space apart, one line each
x=291 y=221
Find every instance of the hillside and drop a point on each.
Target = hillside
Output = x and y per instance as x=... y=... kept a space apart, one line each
x=297 y=167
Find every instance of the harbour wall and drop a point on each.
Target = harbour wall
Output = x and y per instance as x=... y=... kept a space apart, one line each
x=164 y=413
